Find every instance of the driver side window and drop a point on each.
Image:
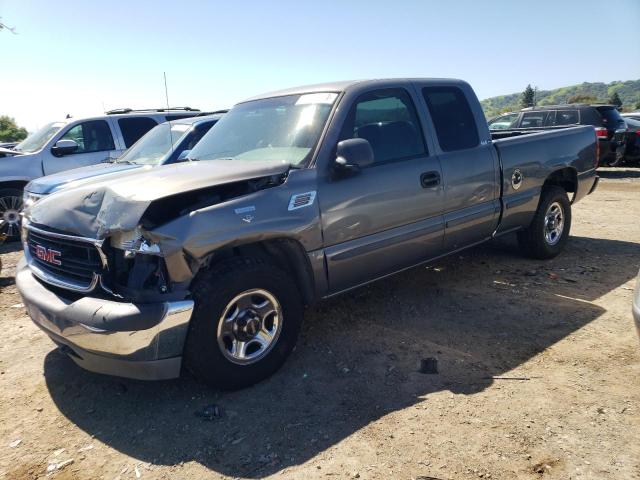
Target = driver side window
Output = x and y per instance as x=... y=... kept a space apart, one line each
x=92 y=136
x=387 y=119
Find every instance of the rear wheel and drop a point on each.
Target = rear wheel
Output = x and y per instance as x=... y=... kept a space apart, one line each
x=10 y=209
x=549 y=230
x=245 y=323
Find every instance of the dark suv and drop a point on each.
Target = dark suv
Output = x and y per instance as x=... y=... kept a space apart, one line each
x=610 y=126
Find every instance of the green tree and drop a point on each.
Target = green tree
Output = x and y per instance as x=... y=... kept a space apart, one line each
x=528 y=98
x=10 y=131
x=582 y=98
x=637 y=105
x=614 y=99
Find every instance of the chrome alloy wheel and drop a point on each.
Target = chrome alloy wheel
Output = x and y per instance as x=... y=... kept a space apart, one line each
x=10 y=208
x=553 y=223
x=249 y=326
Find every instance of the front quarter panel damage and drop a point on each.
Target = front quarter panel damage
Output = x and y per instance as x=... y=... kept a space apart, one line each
x=188 y=241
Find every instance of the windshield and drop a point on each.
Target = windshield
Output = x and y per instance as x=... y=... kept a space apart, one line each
x=281 y=128
x=155 y=145
x=39 y=139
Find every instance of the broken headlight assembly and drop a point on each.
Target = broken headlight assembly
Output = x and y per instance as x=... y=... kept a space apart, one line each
x=136 y=267
x=133 y=242
x=28 y=199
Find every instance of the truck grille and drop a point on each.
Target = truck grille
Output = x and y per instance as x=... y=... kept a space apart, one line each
x=66 y=262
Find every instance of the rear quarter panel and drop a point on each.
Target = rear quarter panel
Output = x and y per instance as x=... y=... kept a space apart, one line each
x=537 y=156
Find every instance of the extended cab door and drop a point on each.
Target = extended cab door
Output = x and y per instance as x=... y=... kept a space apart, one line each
x=387 y=216
x=470 y=171
x=95 y=145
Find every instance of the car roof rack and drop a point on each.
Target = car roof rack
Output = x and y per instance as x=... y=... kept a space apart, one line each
x=117 y=111
x=565 y=105
x=202 y=114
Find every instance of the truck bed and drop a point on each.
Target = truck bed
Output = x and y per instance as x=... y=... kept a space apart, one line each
x=570 y=151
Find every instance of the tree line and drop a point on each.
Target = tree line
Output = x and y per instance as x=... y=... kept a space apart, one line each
x=624 y=94
x=10 y=131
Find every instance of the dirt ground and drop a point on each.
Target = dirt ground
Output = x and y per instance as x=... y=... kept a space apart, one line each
x=538 y=361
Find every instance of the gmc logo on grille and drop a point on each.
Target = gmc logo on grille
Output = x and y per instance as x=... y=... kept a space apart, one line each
x=48 y=255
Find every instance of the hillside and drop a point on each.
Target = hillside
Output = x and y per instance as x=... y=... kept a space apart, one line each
x=628 y=91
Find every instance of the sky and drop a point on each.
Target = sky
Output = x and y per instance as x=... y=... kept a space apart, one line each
x=82 y=57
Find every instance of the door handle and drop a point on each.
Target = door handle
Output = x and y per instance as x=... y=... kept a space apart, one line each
x=430 y=179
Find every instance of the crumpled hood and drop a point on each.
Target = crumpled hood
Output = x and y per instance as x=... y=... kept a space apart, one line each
x=101 y=207
x=79 y=176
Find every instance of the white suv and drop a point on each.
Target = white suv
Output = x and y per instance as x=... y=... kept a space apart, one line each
x=68 y=144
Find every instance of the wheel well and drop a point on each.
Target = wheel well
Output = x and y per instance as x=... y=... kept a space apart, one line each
x=287 y=254
x=19 y=184
x=566 y=178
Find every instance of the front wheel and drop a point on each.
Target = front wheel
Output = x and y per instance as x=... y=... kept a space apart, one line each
x=549 y=230
x=245 y=323
x=10 y=209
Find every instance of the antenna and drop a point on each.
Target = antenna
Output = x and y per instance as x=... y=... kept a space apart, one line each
x=166 y=96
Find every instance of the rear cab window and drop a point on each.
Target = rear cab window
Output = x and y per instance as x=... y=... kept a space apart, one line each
x=452 y=117
x=133 y=128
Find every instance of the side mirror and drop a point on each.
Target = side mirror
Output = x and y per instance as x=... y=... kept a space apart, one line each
x=352 y=155
x=64 y=147
x=183 y=155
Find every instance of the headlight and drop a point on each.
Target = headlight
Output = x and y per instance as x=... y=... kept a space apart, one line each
x=29 y=199
x=133 y=242
x=23 y=231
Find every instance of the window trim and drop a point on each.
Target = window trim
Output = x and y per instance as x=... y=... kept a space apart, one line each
x=418 y=126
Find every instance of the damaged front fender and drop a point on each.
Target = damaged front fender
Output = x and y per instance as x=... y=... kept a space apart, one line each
x=189 y=241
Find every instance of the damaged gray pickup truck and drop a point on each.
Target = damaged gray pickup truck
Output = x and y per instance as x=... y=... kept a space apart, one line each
x=295 y=196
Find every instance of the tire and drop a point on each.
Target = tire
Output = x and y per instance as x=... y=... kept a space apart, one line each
x=10 y=208
x=617 y=158
x=209 y=350
x=538 y=240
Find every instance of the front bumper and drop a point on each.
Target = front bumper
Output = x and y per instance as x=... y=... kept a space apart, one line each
x=142 y=341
